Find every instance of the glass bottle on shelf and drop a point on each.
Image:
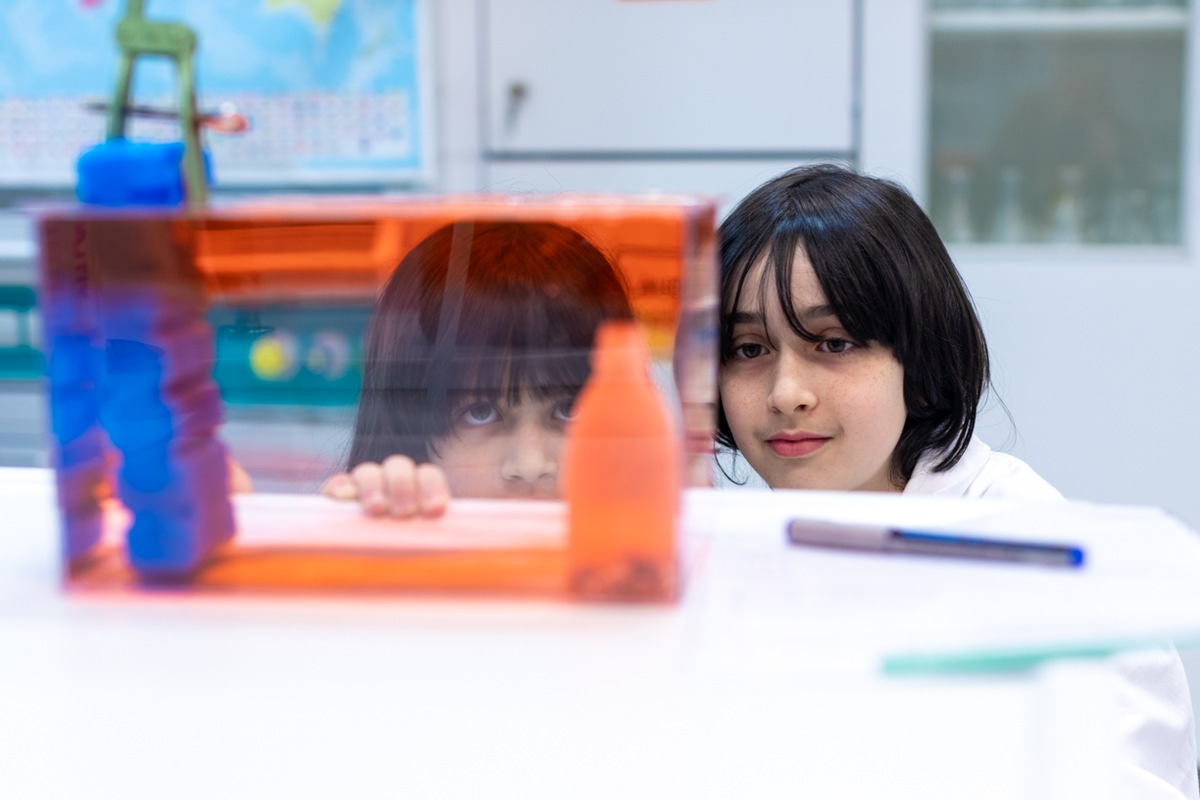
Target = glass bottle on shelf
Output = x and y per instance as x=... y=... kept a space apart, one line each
x=1164 y=207
x=1066 y=222
x=1138 y=225
x=1010 y=226
x=956 y=225
x=1115 y=214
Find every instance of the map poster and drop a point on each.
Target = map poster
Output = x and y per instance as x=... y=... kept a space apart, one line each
x=336 y=92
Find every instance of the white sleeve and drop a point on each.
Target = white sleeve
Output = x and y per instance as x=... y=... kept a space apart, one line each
x=982 y=472
x=1008 y=478
x=1156 y=729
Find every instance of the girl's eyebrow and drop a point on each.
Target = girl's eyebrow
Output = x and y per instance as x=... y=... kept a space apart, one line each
x=745 y=318
x=817 y=312
x=756 y=318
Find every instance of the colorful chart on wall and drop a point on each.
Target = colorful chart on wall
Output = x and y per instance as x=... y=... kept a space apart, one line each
x=336 y=91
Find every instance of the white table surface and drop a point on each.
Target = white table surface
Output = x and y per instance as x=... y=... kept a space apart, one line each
x=765 y=681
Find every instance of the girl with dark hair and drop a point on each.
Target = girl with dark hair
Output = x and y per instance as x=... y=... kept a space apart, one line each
x=852 y=359
x=851 y=355
x=474 y=354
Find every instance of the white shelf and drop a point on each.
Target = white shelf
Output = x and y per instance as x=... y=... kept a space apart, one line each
x=1060 y=20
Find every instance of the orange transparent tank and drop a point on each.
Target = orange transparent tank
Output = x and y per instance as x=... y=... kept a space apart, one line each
x=167 y=285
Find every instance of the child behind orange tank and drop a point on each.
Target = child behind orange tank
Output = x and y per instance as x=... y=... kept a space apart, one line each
x=477 y=347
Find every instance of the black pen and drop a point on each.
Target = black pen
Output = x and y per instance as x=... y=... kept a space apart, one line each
x=884 y=539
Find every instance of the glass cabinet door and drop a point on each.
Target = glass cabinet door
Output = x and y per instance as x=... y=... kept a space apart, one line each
x=1057 y=121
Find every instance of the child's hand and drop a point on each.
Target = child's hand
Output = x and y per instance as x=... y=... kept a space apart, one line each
x=239 y=479
x=398 y=487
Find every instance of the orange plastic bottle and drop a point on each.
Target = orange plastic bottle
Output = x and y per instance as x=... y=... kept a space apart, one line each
x=622 y=466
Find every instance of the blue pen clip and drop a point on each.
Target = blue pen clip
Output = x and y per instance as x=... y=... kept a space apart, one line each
x=967 y=546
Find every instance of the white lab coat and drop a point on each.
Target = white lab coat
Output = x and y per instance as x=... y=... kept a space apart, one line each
x=982 y=472
x=1152 y=704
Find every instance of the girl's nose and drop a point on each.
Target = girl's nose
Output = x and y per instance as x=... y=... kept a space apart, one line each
x=791 y=386
x=532 y=455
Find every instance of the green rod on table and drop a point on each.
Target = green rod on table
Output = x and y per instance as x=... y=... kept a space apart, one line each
x=136 y=36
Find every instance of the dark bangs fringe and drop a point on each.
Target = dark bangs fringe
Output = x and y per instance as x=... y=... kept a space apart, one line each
x=524 y=342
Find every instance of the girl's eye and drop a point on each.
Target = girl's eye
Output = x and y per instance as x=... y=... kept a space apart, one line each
x=478 y=414
x=748 y=351
x=564 y=410
x=836 y=347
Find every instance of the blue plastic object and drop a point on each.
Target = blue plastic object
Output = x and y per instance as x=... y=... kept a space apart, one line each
x=118 y=172
x=160 y=409
x=131 y=364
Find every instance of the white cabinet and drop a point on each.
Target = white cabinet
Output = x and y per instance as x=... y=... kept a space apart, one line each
x=709 y=77
x=1093 y=334
x=1057 y=123
x=725 y=181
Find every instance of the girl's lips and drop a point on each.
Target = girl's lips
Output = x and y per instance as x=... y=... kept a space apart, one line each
x=794 y=448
